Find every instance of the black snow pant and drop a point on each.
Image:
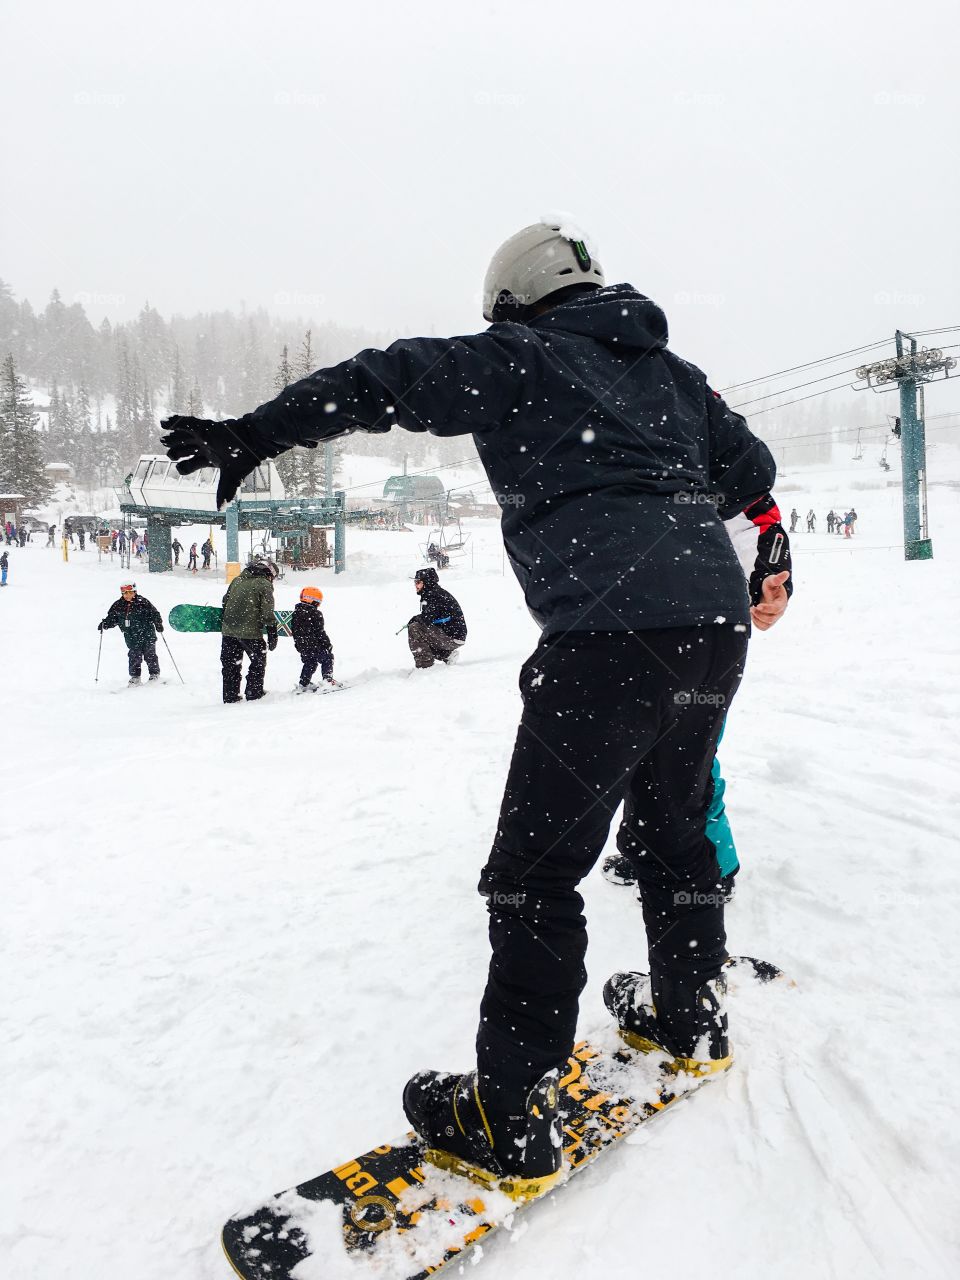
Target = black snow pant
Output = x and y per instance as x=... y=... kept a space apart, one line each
x=313 y=658
x=232 y=649
x=429 y=643
x=136 y=657
x=607 y=717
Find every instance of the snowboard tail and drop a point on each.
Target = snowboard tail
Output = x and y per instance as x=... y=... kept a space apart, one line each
x=206 y=617
x=398 y=1216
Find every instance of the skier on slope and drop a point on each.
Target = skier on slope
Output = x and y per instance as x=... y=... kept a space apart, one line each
x=248 y=612
x=139 y=621
x=176 y=546
x=311 y=640
x=601 y=447
x=438 y=632
x=794 y=517
x=4 y=568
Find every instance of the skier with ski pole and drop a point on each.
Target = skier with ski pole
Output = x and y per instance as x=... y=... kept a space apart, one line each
x=615 y=465
x=140 y=623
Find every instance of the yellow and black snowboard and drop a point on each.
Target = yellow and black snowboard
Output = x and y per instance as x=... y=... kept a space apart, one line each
x=396 y=1217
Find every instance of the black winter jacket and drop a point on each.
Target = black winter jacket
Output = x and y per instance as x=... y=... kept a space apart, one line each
x=308 y=631
x=611 y=458
x=139 y=621
x=438 y=608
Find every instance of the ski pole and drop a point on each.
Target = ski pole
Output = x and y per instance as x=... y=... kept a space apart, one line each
x=96 y=678
x=175 y=667
x=396 y=633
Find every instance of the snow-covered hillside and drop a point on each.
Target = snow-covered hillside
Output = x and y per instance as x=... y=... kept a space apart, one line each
x=231 y=933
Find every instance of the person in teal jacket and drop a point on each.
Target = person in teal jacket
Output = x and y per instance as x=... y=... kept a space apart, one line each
x=763 y=548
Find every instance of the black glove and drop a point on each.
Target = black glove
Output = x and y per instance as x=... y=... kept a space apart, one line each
x=194 y=443
x=160 y=626
x=102 y=626
x=271 y=640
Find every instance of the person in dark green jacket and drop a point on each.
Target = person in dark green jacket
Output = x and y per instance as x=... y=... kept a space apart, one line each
x=247 y=613
x=139 y=621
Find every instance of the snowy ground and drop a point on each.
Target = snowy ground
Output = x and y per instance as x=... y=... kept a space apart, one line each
x=231 y=933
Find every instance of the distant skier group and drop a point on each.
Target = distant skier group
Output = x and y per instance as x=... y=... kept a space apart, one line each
x=249 y=629
x=845 y=524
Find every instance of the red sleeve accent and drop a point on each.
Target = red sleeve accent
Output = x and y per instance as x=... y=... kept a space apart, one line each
x=763 y=513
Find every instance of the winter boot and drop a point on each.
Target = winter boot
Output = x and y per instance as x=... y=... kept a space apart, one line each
x=520 y=1155
x=308 y=687
x=618 y=869
x=156 y=677
x=692 y=1028
x=134 y=680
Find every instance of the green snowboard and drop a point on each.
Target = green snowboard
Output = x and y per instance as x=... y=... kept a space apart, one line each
x=207 y=617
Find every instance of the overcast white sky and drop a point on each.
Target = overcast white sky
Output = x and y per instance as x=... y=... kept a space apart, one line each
x=782 y=178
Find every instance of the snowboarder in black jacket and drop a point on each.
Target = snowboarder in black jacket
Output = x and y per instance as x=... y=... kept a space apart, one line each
x=615 y=466
x=311 y=639
x=438 y=631
x=139 y=621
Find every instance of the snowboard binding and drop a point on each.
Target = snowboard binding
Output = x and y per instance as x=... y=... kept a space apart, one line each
x=519 y=1155
x=694 y=1038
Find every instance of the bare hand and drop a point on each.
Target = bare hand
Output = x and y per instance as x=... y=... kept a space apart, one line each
x=774 y=602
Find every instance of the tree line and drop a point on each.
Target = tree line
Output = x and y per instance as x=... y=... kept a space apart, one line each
x=109 y=385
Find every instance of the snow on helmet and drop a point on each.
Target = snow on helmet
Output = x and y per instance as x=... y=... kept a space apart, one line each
x=538 y=261
x=309 y=594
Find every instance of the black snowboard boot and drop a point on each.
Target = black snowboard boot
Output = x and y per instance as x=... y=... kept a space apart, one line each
x=520 y=1155
x=618 y=869
x=690 y=1025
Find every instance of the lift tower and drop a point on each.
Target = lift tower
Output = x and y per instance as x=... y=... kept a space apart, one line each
x=911 y=368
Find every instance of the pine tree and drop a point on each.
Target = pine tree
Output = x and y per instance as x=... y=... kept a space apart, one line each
x=107 y=455
x=313 y=462
x=21 y=453
x=289 y=464
x=54 y=327
x=178 y=385
x=195 y=402
x=305 y=356
x=83 y=449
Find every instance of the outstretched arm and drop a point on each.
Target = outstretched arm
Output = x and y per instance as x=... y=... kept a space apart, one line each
x=448 y=386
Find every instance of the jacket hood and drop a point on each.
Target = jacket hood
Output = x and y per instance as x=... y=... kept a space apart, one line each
x=428 y=577
x=617 y=316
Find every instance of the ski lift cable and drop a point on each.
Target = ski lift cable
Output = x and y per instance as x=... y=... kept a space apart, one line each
x=870 y=426
x=426 y=471
x=826 y=378
x=810 y=364
x=786 y=390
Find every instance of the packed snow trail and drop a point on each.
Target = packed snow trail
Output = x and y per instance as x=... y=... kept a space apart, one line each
x=232 y=933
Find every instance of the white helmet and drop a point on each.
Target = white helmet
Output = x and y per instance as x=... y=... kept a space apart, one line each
x=538 y=261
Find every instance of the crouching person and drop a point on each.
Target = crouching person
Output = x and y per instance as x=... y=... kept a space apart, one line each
x=311 y=639
x=439 y=630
